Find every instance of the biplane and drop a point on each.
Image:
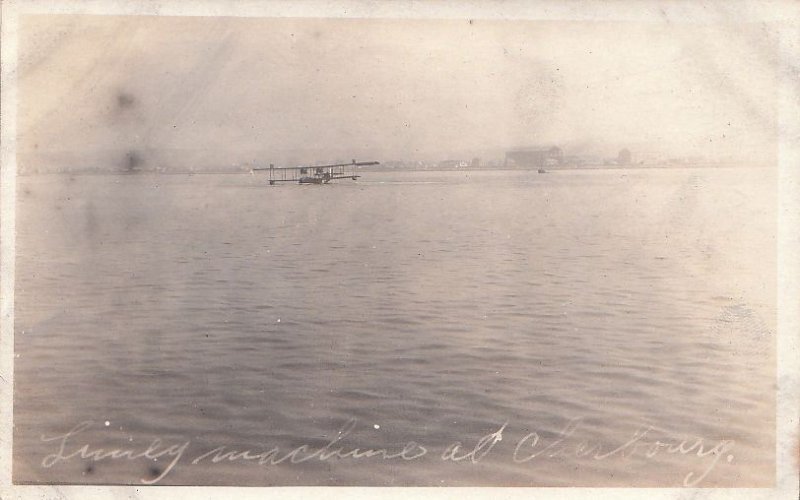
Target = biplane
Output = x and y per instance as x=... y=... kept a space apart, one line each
x=317 y=174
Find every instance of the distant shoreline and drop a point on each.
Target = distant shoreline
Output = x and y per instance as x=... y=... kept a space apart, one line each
x=550 y=169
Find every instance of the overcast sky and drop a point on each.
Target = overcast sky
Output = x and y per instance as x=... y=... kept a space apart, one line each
x=94 y=89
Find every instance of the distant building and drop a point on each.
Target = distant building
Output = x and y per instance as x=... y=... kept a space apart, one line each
x=453 y=164
x=534 y=157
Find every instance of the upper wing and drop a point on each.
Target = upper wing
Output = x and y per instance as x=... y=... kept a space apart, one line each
x=353 y=163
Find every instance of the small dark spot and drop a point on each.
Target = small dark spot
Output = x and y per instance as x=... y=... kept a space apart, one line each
x=89 y=469
x=132 y=160
x=154 y=471
x=125 y=100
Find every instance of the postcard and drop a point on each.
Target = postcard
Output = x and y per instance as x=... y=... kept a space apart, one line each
x=519 y=249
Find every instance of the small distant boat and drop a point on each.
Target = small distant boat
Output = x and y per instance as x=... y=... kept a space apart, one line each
x=542 y=171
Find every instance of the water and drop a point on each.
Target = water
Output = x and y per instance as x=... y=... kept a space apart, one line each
x=429 y=306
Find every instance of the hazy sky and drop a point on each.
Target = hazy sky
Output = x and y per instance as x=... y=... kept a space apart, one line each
x=95 y=89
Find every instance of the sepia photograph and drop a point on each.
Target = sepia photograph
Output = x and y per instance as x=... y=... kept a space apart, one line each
x=279 y=250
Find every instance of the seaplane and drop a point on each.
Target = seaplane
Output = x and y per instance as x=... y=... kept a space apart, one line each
x=316 y=174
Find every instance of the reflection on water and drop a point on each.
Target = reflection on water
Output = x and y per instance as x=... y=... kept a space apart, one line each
x=431 y=307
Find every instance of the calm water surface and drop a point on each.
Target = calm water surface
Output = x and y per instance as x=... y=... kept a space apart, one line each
x=431 y=307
